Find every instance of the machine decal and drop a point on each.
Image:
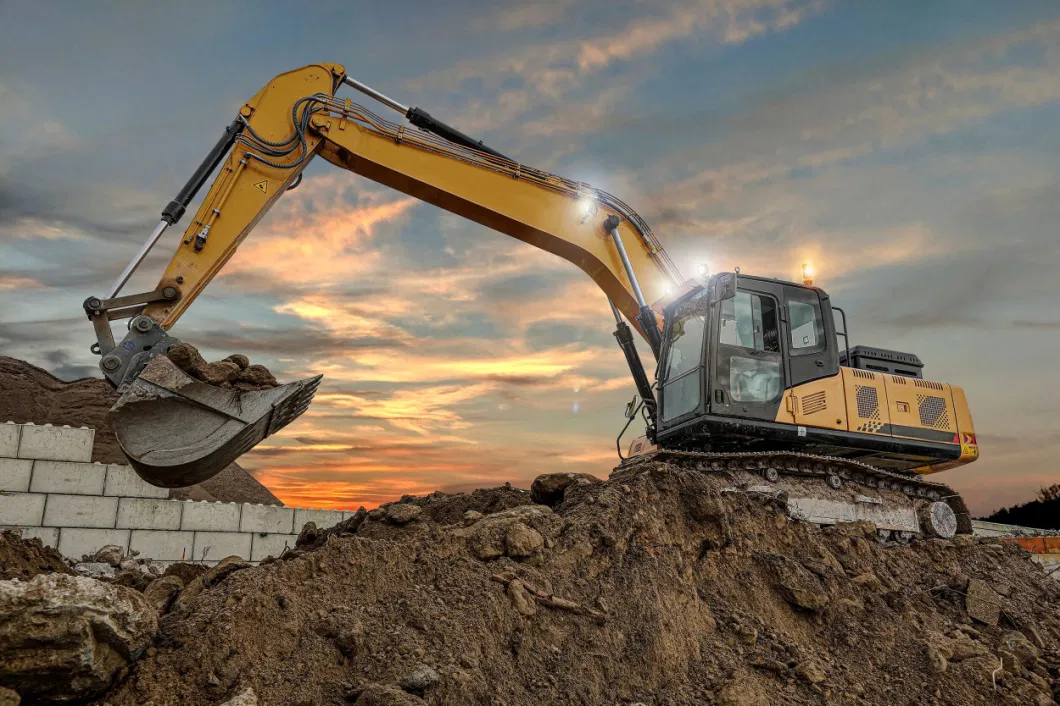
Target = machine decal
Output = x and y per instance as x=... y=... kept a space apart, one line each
x=262 y=186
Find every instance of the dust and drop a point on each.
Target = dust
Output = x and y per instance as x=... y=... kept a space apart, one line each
x=654 y=587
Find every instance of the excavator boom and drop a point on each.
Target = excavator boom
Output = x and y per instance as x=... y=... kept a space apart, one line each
x=178 y=431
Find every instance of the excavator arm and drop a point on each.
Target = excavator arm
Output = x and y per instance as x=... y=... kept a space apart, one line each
x=178 y=431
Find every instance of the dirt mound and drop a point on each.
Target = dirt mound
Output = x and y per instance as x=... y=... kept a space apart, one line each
x=658 y=587
x=31 y=394
x=25 y=558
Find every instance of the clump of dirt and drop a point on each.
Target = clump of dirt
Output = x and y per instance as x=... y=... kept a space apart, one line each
x=233 y=373
x=25 y=558
x=31 y=394
x=658 y=586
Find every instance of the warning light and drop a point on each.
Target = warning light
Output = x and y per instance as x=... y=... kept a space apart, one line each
x=807 y=274
x=702 y=270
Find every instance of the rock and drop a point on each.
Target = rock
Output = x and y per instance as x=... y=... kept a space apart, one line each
x=308 y=536
x=867 y=580
x=129 y=565
x=523 y=602
x=220 y=372
x=110 y=554
x=967 y=649
x=223 y=569
x=1018 y=644
x=247 y=697
x=419 y=679
x=9 y=698
x=379 y=695
x=936 y=661
x=187 y=358
x=798 y=586
x=982 y=604
x=521 y=541
x=748 y=635
x=549 y=489
x=471 y=517
x=740 y=693
x=70 y=637
x=239 y=359
x=185 y=571
x=257 y=377
x=163 y=592
x=810 y=672
x=95 y=569
x=402 y=513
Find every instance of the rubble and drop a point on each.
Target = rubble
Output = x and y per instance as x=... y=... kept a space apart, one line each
x=25 y=558
x=655 y=589
x=69 y=637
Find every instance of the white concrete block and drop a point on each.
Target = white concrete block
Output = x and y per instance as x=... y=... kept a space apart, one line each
x=266 y=518
x=68 y=478
x=322 y=518
x=22 y=509
x=74 y=542
x=56 y=443
x=210 y=517
x=9 y=435
x=80 y=511
x=219 y=545
x=163 y=545
x=49 y=536
x=270 y=545
x=123 y=481
x=148 y=513
x=15 y=473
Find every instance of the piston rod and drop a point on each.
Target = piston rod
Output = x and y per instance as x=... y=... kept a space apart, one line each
x=131 y=267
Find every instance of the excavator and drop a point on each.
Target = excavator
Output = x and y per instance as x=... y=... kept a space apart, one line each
x=750 y=381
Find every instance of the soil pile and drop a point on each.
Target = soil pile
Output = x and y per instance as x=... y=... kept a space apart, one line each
x=25 y=558
x=656 y=587
x=31 y=394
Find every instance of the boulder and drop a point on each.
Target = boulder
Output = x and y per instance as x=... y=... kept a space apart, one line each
x=549 y=489
x=95 y=569
x=402 y=513
x=110 y=554
x=163 y=592
x=9 y=697
x=982 y=604
x=70 y=637
x=223 y=569
x=522 y=541
x=420 y=678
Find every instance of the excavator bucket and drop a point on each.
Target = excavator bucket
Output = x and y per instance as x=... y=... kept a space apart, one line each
x=177 y=431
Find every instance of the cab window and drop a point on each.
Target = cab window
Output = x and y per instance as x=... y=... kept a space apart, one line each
x=807 y=328
x=749 y=322
x=682 y=386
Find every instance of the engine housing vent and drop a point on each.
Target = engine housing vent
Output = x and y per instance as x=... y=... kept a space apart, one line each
x=933 y=411
x=868 y=402
x=813 y=403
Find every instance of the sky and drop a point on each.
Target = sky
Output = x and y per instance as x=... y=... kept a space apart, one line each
x=908 y=149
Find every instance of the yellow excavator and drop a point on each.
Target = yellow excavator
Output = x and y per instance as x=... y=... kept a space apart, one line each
x=750 y=380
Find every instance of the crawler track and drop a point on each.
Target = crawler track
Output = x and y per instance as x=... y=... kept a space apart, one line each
x=832 y=471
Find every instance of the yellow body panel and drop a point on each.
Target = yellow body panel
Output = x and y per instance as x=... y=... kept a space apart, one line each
x=536 y=207
x=880 y=404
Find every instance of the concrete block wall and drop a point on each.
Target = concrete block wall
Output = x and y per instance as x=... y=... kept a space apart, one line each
x=51 y=490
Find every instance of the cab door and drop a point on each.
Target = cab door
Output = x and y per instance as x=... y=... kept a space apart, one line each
x=810 y=335
x=749 y=374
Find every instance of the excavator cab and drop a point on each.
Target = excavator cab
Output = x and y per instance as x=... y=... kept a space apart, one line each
x=733 y=346
x=753 y=364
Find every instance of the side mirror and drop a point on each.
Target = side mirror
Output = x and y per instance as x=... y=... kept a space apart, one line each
x=631 y=408
x=724 y=287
